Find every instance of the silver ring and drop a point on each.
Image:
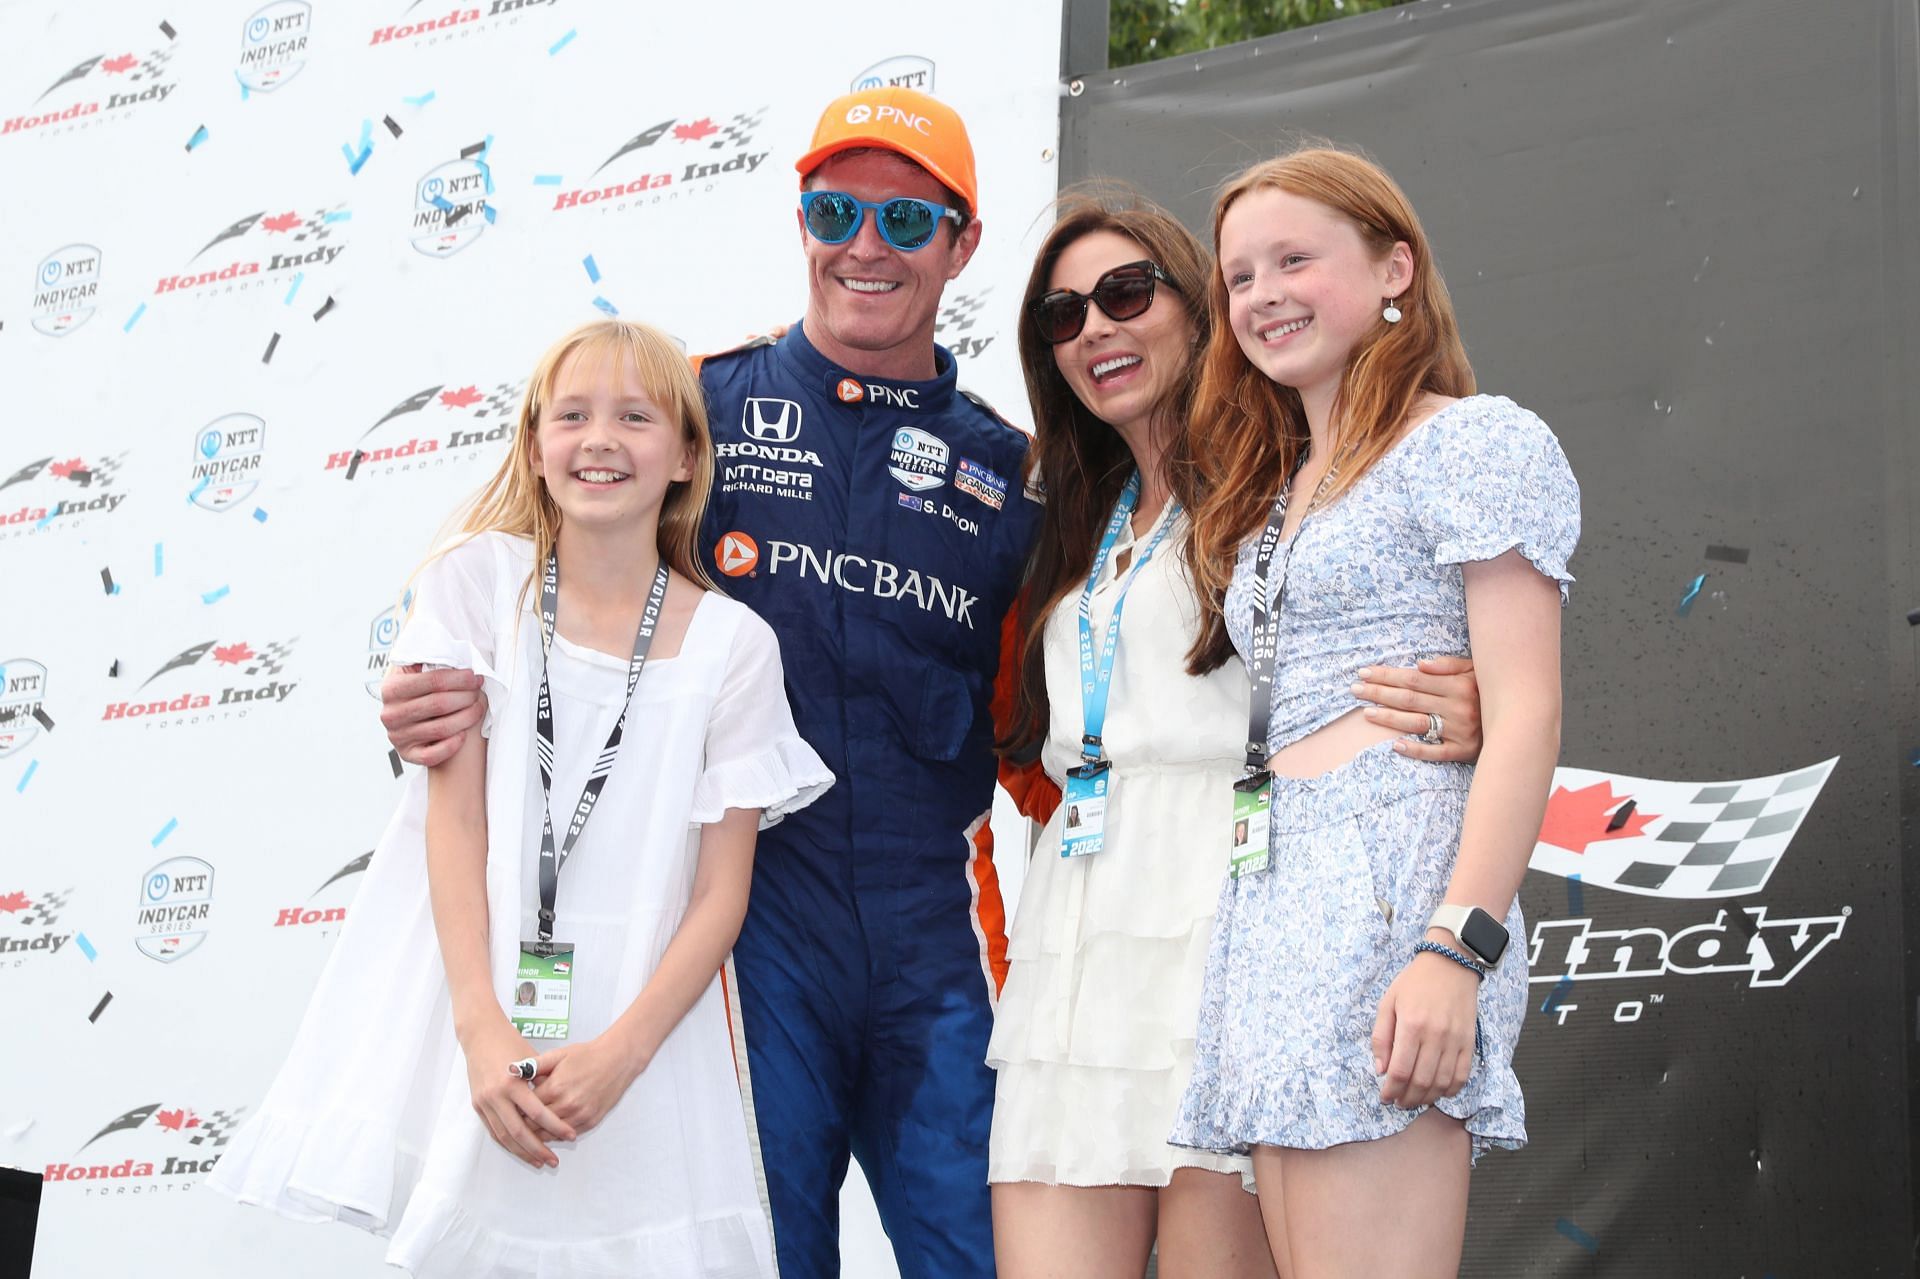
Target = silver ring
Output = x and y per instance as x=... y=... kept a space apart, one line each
x=525 y=1068
x=1432 y=736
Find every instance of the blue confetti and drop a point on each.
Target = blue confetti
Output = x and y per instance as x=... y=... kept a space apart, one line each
x=1561 y=989
x=338 y=215
x=546 y=179
x=159 y=562
x=1915 y=759
x=561 y=43
x=356 y=159
x=441 y=203
x=298 y=278
x=32 y=766
x=593 y=269
x=605 y=305
x=245 y=92
x=199 y=136
x=260 y=514
x=486 y=211
x=480 y=161
x=204 y=480
x=1686 y=601
x=215 y=595
x=133 y=319
x=86 y=947
x=165 y=831
x=48 y=517
x=420 y=101
x=1575 y=903
x=1578 y=1235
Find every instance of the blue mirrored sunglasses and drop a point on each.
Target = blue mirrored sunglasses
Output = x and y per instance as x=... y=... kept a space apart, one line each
x=833 y=217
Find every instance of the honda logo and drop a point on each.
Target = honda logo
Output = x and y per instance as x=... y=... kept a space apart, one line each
x=771 y=421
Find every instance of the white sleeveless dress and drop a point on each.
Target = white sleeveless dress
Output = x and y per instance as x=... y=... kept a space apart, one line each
x=371 y=1121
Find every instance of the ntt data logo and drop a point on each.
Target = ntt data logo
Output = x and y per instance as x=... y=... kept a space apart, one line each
x=66 y=284
x=676 y=159
x=273 y=45
x=106 y=88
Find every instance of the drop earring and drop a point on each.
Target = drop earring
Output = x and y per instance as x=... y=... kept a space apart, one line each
x=1391 y=312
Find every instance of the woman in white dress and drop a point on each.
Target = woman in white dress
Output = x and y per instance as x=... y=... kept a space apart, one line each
x=413 y=1103
x=1095 y=1031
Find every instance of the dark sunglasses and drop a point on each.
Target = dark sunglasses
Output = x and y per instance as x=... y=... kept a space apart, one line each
x=1123 y=293
x=833 y=217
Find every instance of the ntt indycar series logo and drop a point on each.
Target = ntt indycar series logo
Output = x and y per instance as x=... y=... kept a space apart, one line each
x=1684 y=842
x=176 y=909
x=209 y=681
x=674 y=159
x=739 y=554
x=380 y=637
x=429 y=23
x=149 y=1149
x=433 y=425
x=58 y=493
x=227 y=453
x=65 y=285
x=273 y=45
x=23 y=691
x=449 y=208
x=907 y=71
x=103 y=89
x=260 y=249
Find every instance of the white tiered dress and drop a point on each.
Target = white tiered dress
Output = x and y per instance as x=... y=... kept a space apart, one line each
x=1094 y=1036
x=371 y=1122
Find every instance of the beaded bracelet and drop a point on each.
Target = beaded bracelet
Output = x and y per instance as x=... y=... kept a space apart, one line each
x=1435 y=948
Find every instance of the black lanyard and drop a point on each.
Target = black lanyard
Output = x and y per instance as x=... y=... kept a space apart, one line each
x=1265 y=643
x=550 y=864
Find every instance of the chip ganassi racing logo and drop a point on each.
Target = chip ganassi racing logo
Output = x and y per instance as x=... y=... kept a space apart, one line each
x=448 y=420
x=56 y=493
x=105 y=88
x=237 y=675
x=155 y=1144
x=676 y=158
x=1682 y=842
x=261 y=249
x=738 y=554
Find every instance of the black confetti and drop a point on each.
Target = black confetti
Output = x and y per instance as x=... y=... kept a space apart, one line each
x=353 y=463
x=106 y=580
x=392 y=128
x=324 y=307
x=1728 y=554
x=46 y=720
x=1744 y=922
x=166 y=29
x=467 y=153
x=1621 y=814
x=113 y=672
x=100 y=1007
x=268 y=357
x=1913 y=617
x=393 y=758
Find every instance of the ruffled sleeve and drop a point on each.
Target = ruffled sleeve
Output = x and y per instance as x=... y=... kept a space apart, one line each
x=755 y=757
x=1494 y=479
x=450 y=620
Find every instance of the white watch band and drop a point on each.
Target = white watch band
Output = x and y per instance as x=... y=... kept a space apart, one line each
x=1451 y=918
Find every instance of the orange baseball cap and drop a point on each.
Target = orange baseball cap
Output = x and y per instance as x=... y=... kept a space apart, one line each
x=923 y=129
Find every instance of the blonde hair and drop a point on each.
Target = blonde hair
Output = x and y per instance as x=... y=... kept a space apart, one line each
x=516 y=500
x=1248 y=431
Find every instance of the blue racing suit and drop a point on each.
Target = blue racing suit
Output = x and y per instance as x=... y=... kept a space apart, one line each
x=881 y=527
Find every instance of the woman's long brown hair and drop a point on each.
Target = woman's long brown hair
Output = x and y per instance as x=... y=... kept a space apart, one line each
x=1081 y=461
x=1248 y=431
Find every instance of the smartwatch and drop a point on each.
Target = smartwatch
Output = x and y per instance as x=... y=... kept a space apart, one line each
x=1483 y=936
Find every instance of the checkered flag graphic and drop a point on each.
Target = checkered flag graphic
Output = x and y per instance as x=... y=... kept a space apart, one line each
x=214 y=1129
x=959 y=314
x=315 y=227
x=502 y=401
x=738 y=131
x=103 y=469
x=1674 y=839
x=45 y=911
x=153 y=64
x=272 y=659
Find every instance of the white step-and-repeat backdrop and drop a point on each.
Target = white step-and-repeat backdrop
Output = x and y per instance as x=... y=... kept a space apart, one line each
x=271 y=280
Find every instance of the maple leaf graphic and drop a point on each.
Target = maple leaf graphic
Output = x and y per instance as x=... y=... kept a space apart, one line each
x=281 y=222
x=15 y=900
x=177 y=1119
x=68 y=467
x=704 y=127
x=122 y=63
x=1577 y=818
x=461 y=398
x=232 y=654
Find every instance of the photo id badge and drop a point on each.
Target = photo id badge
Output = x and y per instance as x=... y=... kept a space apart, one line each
x=1083 y=830
x=542 y=995
x=1252 y=798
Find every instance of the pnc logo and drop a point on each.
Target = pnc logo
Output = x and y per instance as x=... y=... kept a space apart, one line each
x=860 y=114
x=850 y=391
x=737 y=554
x=771 y=421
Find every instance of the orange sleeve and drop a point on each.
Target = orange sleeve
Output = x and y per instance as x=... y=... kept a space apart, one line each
x=1033 y=791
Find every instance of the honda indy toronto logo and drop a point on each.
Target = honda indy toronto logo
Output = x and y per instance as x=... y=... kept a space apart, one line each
x=106 y=88
x=66 y=283
x=438 y=423
x=678 y=158
x=1681 y=841
x=176 y=909
x=771 y=460
x=438 y=22
x=30 y=924
x=23 y=690
x=954 y=323
x=450 y=207
x=227 y=454
x=906 y=71
x=151 y=1148
x=326 y=906
x=273 y=45
x=209 y=681
x=58 y=494
x=261 y=250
